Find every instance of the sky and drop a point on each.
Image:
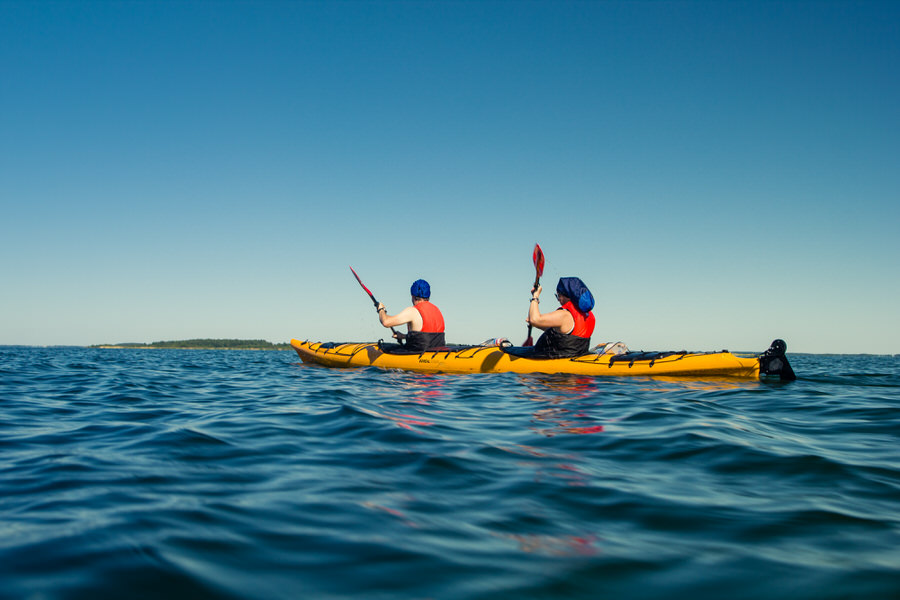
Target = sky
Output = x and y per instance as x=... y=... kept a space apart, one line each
x=720 y=174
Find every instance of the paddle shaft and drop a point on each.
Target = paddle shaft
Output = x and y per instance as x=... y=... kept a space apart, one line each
x=537 y=282
x=371 y=295
x=538 y=258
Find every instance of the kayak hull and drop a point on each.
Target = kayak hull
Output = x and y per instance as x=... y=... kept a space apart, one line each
x=492 y=359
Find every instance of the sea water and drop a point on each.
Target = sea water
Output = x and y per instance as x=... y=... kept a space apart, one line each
x=246 y=474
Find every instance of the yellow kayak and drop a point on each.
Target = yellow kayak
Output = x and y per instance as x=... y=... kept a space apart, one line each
x=494 y=359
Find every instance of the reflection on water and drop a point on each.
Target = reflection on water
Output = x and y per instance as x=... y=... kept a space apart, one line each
x=555 y=545
x=697 y=384
x=408 y=398
x=571 y=402
x=423 y=388
x=400 y=515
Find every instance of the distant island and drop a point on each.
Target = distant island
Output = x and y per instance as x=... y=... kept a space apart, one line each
x=204 y=344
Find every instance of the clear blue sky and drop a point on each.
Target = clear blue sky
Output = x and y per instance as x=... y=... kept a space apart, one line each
x=718 y=173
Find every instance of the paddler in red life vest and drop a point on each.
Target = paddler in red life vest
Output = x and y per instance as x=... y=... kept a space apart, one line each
x=568 y=329
x=423 y=320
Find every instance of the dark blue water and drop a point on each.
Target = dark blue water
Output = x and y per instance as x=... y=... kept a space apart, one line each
x=229 y=474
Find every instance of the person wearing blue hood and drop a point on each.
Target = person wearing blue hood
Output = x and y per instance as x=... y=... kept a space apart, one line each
x=568 y=329
x=423 y=320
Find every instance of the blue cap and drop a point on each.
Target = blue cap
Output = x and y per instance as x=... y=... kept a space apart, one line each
x=420 y=289
x=574 y=289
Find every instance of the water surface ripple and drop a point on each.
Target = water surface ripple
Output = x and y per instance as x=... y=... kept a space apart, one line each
x=240 y=474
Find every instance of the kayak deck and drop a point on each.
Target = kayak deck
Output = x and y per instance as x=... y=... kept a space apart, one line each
x=493 y=359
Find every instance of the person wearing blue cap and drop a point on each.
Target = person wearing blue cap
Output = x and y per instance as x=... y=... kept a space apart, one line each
x=568 y=329
x=423 y=320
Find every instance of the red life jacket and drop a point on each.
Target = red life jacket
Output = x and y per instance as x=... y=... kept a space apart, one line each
x=432 y=319
x=584 y=322
x=555 y=344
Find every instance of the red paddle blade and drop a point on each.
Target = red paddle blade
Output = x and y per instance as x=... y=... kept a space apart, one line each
x=538 y=258
x=528 y=342
x=362 y=284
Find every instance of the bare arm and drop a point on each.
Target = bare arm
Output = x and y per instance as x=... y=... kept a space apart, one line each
x=561 y=319
x=408 y=316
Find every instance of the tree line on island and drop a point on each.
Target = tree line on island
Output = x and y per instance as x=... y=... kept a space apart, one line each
x=204 y=344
